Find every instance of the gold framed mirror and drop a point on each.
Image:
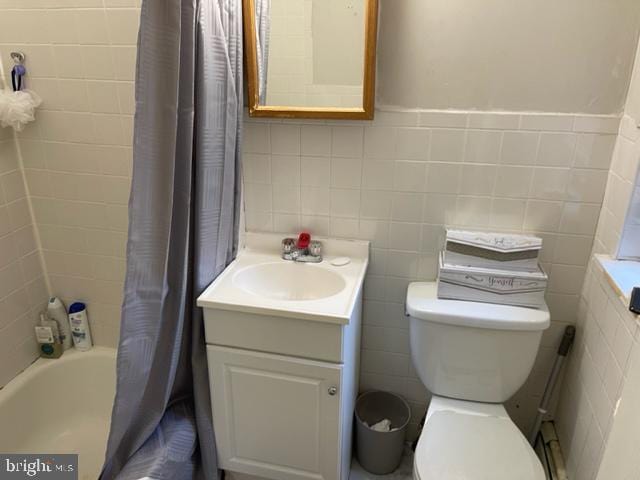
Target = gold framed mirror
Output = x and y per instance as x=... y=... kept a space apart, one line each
x=311 y=58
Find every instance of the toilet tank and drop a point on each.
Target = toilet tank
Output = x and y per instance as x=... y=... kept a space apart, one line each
x=469 y=350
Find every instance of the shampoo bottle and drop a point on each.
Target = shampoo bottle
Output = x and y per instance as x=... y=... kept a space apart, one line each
x=57 y=312
x=80 y=326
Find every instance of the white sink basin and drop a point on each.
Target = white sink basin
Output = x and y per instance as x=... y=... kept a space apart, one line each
x=289 y=281
x=258 y=281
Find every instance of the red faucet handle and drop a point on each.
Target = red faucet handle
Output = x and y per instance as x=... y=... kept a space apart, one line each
x=303 y=240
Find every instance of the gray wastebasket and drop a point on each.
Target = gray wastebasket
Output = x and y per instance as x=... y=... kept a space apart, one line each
x=380 y=452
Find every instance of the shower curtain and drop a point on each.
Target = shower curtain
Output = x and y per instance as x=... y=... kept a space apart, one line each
x=183 y=227
x=263 y=33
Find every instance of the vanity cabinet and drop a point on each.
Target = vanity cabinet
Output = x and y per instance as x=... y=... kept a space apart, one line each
x=276 y=416
x=283 y=369
x=282 y=402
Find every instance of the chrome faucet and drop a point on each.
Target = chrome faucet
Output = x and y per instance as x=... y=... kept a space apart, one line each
x=303 y=250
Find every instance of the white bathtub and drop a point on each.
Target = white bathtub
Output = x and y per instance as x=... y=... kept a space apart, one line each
x=61 y=406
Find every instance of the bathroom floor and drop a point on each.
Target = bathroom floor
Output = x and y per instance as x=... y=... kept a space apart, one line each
x=404 y=471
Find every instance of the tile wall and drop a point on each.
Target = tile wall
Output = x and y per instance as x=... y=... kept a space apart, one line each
x=595 y=374
x=399 y=180
x=607 y=332
x=396 y=181
x=77 y=156
x=620 y=458
x=23 y=291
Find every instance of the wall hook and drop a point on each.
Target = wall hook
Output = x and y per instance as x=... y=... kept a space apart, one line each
x=18 y=57
x=18 y=71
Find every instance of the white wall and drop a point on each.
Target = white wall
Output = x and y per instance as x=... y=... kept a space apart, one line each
x=23 y=292
x=620 y=460
x=597 y=369
x=599 y=365
x=545 y=55
x=77 y=155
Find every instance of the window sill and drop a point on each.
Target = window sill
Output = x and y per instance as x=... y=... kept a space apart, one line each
x=622 y=275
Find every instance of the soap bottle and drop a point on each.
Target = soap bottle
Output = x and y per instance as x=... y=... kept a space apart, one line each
x=80 y=326
x=45 y=321
x=48 y=347
x=57 y=312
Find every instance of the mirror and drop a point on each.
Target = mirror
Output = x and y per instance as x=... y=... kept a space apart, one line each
x=311 y=58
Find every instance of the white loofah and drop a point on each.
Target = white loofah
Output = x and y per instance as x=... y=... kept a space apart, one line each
x=18 y=108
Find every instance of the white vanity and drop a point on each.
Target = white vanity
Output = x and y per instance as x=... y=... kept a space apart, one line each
x=283 y=345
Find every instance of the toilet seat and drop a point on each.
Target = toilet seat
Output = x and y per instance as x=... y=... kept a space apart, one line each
x=473 y=441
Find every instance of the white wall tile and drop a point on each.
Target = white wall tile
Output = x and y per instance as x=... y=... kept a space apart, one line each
x=477 y=179
x=594 y=151
x=549 y=122
x=91 y=26
x=123 y=25
x=316 y=140
x=407 y=207
x=507 y=214
x=378 y=175
x=379 y=142
x=285 y=169
x=315 y=171
x=513 y=181
x=580 y=218
x=347 y=142
x=543 y=216
x=412 y=144
x=550 y=183
x=346 y=172
x=345 y=203
x=409 y=176
x=443 y=177
x=447 y=145
x=483 y=146
x=556 y=149
x=587 y=185
x=519 y=148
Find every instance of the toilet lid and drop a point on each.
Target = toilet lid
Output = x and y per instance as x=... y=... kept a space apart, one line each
x=462 y=446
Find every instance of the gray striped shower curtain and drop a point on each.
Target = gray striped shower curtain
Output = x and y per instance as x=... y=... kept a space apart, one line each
x=183 y=228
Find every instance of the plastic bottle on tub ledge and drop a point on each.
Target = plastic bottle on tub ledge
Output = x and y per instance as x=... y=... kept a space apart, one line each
x=80 y=330
x=57 y=311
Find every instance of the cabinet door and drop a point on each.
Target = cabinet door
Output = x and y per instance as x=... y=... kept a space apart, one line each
x=275 y=416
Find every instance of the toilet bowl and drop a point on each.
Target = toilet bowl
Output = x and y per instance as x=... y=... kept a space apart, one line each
x=472 y=357
x=473 y=441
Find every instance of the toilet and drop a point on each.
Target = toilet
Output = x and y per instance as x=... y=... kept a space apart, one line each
x=472 y=357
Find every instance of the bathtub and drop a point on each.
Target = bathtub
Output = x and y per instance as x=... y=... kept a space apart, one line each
x=61 y=406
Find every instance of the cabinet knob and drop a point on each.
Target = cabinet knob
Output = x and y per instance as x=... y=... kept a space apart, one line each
x=333 y=390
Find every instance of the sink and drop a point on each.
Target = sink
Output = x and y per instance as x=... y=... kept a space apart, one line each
x=260 y=282
x=289 y=281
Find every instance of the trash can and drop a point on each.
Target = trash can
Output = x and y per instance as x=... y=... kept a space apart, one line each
x=378 y=451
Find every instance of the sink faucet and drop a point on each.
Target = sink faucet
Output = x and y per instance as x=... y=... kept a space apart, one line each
x=303 y=250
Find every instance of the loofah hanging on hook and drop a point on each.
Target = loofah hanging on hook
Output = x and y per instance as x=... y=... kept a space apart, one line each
x=18 y=108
